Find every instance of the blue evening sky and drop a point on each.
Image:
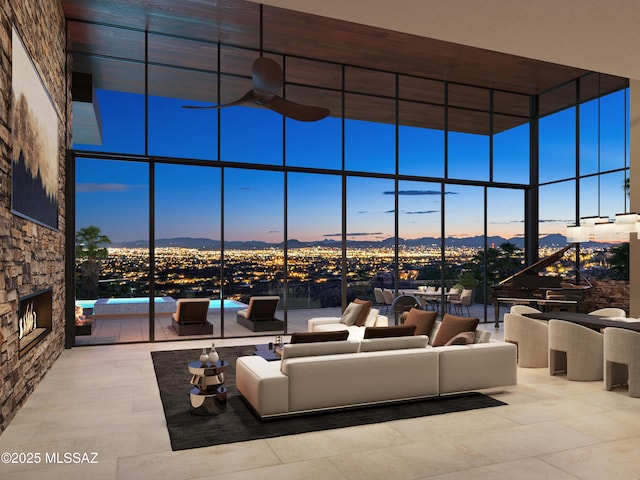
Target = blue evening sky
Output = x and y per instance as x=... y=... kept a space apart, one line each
x=114 y=195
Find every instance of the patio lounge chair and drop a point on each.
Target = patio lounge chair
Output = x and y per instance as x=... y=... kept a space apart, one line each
x=190 y=317
x=260 y=315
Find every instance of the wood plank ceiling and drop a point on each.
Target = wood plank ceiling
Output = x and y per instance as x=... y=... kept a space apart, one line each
x=185 y=33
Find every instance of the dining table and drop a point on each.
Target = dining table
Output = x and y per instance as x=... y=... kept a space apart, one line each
x=434 y=297
x=595 y=322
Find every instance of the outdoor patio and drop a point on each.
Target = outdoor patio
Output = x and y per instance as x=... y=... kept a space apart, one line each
x=108 y=329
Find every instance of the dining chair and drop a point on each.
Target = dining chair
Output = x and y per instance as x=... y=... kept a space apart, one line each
x=622 y=359
x=575 y=349
x=531 y=337
x=388 y=298
x=522 y=309
x=609 y=312
x=465 y=300
x=378 y=296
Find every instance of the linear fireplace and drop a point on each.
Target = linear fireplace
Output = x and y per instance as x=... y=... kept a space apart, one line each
x=34 y=318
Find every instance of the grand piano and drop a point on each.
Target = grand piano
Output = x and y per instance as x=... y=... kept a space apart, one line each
x=529 y=287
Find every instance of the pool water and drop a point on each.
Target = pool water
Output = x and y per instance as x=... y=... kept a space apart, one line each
x=227 y=304
x=119 y=301
x=214 y=304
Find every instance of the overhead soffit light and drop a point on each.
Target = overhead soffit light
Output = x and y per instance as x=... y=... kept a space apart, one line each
x=604 y=229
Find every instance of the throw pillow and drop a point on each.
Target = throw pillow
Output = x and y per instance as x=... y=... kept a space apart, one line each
x=311 y=337
x=482 y=336
x=350 y=314
x=372 y=318
x=464 y=338
x=451 y=326
x=364 y=311
x=393 y=331
x=422 y=319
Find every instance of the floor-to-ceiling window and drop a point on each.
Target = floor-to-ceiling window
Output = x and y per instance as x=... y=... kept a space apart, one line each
x=241 y=201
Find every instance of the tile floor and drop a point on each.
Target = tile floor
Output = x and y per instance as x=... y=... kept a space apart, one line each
x=105 y=399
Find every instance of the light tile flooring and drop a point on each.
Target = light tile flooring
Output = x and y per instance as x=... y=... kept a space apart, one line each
x=105 y=399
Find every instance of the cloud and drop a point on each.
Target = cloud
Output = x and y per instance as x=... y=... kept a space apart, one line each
x=417 y=192
x=357 y=234
x=105 y=187
x=421 y=212
x=540 y=221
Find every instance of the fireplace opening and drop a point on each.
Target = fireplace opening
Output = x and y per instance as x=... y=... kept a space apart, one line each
x=34 y=319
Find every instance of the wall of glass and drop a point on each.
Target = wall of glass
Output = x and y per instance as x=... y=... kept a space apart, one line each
x=409 y=182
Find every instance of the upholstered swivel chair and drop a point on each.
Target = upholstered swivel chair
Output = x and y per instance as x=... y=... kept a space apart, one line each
x=622 y=359
x=609 y=312
x=531 y=337
x=575 y=349
x=522 y=309
x=403 y=303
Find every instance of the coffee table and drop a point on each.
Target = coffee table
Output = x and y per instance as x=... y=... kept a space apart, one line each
x=269 y=351
x=209 y=397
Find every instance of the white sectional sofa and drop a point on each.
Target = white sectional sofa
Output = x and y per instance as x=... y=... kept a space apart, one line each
x=331 y=375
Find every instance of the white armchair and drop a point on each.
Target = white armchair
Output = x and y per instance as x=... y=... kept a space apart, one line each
x=622 y=359
x=577 y=350
x=531 y=337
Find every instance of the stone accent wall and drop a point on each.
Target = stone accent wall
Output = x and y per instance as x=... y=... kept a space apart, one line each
x=608 y=293
x=31 y=256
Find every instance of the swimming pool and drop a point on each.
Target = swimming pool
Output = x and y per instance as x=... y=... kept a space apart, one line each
x=120 y=301
x=132 y=305
x=138 y=305
x=228 y=304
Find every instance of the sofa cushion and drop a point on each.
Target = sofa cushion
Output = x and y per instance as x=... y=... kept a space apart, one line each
x=372 y=318
x=394 y=343
x=350 y=314
x=422 y=319
x=451 y=326
x=311 y=337
x=315 y=349
x=464 y=338
x=392 y=331
x=364 y=311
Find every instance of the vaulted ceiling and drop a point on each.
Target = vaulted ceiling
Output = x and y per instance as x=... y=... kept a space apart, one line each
x=312 y=50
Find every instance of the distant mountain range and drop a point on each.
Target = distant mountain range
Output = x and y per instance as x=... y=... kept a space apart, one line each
x=554 y=240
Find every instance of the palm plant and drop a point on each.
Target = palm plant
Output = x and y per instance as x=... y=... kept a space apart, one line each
x=90 y=245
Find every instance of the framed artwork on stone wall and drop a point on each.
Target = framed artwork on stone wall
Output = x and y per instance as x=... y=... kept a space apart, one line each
x=34 y=139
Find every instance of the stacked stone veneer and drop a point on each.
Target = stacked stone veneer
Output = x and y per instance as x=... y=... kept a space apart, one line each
x=608 y=293
x=31 y=256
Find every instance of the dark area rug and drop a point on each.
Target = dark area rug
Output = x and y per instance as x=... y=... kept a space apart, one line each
x=238 y=423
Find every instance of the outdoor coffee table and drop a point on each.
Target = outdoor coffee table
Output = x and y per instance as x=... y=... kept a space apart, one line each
x=209 y=396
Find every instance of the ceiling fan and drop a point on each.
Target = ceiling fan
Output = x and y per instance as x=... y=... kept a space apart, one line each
x=268 y=78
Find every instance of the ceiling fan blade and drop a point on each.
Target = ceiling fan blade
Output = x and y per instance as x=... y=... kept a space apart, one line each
x=267 y=77
x=297 y=111
x=248 y=97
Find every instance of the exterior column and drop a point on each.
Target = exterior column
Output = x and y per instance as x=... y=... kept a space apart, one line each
x=634 y=175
